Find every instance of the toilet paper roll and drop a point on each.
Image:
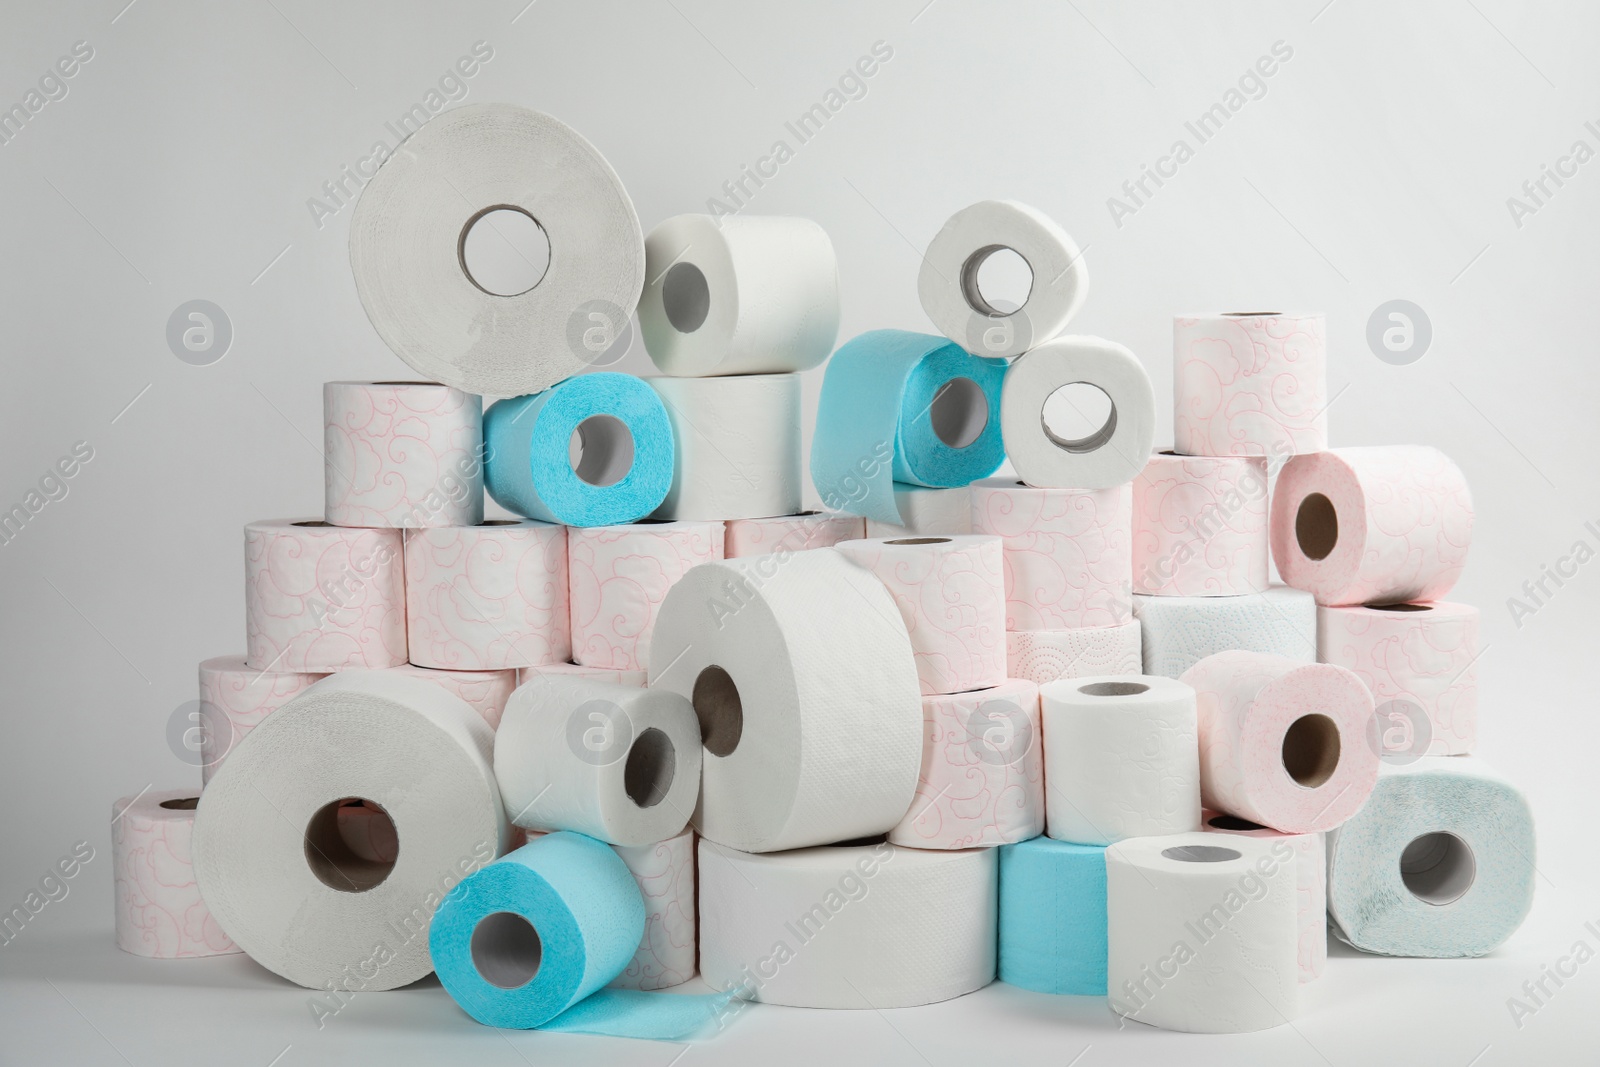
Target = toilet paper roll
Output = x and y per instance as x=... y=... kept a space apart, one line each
x=1250 y=384
x=402 y=454
x=745 y=294
x=272 y=866
x=159 y=910
x=233 y=701
x=1310 y=882
x=1111 y=455
x=1418 y=662
x=812 y=733
x=1068 y=552
x=410 y=229
x=848 y=926
x=323 y=598
x=1053 y=917
x=487 y=597
x=903 y=407
x=620 y=575
x=1180 y=631
x=982 y=780
x=1200 y=933
x=1121 y=758
x=529 y=941
x=926 y=512
x=736 y=446
x=951 y=594
x=1200 y=526
x=598 y=674
x=948 y=282
x=485 y=691
x=1383 y=524
x=618 y=763
x=594 y=450
x=1439 y=864
x=1047 y=655
x=790 y=533
x=1282 y=743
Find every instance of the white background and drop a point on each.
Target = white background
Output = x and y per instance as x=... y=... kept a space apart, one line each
x=1376 y=166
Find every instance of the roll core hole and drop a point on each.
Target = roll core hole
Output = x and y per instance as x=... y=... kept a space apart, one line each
x=996 y=280
x=499 y=522
x=717 y=706
x=1232 y=822
x=1248 y=314
x=311 y=523
x=1438 y=868
x=503 y=250
x=685 y=297
x=918 y=541
x=648 y=774
x=181 y=804
x=1316 y=526
x=1200 y=853
x=600 y=450
x=1401 y=607
x=1311 y=750
x=332 y=859
x=959 y=412
x=1078 y=417
x=1113 y=689
x=506 y=949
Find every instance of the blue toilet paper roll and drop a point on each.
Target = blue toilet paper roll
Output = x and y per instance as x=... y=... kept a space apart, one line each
x=625 y=467
x=528 y=941
x=1053 y=916
x=904 y=407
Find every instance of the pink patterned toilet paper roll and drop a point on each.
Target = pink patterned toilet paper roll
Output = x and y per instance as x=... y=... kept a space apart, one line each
x=1200 y=526
x=1250 y=384
x=619 y=576
x=402 y=454
x=1042 y=656
x=234 y=698
x=599 y=674
x=792 y=533
x=159 y=912
x=486 y=691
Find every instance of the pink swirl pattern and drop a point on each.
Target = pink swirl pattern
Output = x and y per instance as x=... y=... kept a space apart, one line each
x=1404 y=524
x=233 y=701
x=1068 y=552
x=487 y=597
x=1246 y=703
x=1041 y=656
x=1426 y=657
x=791 y=533
x=576 y=670
x=1250 y=385
x=620 y=575
x=159 y=912
x=323 y=598
x=486 y=691
x=402 y=454
x=951 y=594
x=1200 y=526
x=1311 y=890
x=982 y=778
x=666 y=875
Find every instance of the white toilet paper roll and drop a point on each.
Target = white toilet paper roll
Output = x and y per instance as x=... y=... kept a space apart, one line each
x=747 y=294
x=1121 y=758
x=951 y=593
x=812 y=731
x=1048 y=655
x=737 y=441
x=409 y=232
x=948 y=282
x=790 y=533
x=1180 y=631
x=618 y=763
x=928 y=513
x=270 y=861
x=1311 y=883
x=1200 y=933
x=856 y=926
x=1111 y=455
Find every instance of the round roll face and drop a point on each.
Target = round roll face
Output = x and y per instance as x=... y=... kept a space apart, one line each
x=409 y=244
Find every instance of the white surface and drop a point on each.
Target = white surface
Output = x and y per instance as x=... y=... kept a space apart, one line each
x=736 y=448
x=1377 y=165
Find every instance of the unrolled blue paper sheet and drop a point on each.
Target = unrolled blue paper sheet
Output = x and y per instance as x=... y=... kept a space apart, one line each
x=529 y=470
x=1053 y=916
x=584 y=905
x=876 y=421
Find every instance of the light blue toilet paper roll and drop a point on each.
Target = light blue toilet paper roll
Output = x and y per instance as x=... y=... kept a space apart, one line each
x=1440 y=862
x=625 y=468
x=529 y=941
x=878 y=421
x=1053 y=916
